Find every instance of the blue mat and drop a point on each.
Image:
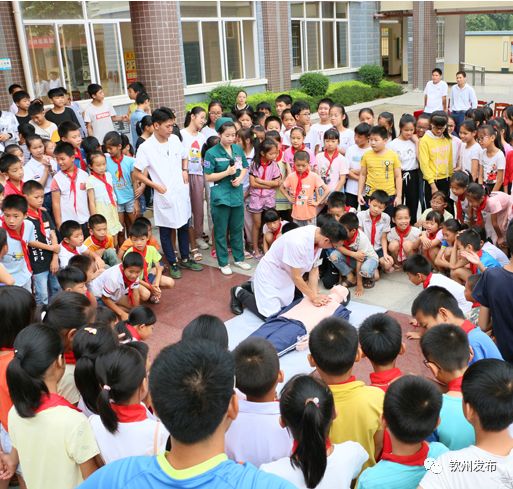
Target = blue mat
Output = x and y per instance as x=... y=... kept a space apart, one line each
x=295 y=362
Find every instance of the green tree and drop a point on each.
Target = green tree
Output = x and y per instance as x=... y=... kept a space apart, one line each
x=489 y=22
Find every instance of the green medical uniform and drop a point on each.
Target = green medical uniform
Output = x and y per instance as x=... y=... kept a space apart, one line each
x=227 y=202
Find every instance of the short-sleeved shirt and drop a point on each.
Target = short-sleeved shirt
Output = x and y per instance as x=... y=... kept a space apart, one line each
x=217 y=160
x=33 y=170
x=407 y=152
x=111 y=284
x=396 y=475
x=497 y=253
x=435 y=92
x=40 y=259
x=68 y=442
x=152 y=257
x=193 y=144
x=309 y=185
x=354 y=156
x=382 y=226
x=101 y=196
x=331 y=172
x=94 y=247
x=413 y=235
x=5 y=397
x=14 y=261
x=259 y=198
x=65 y=255
x=62 y=183
x=454 y=431
x=58 y=119
x=100 y=118
x=380 y=171
x=317 y=130
x=49 y=132
x=468 y=154
x=157 y=473
x=362 y=243
x=447 y=215
x=482 y=346
x=288 y=157
x=346 y=139
x=456 y=289
x=123 y=185
x=495 y=291
x=501 y=204
x=491 y=165
x=135 y=116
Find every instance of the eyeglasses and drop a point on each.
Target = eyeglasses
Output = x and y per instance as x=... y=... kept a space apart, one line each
x=481 y=138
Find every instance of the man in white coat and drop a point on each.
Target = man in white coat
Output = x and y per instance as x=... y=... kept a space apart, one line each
x=166 y=160
x=281 y=270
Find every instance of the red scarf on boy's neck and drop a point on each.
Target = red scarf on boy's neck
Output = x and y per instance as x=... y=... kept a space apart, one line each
x=473 y=267
x=302 y=148
x=385 y=378
x=18 y=236
x=108 y=186
x=15 y=190
x=374 y=222
x=348 y=243
x=135 y=334
x=73 y=175
x=300 y=179
x=277 y=232
x=100 y=243
x=53 y=400
x=119 y=172
x=459 y=207
x=78 y=155
x=68 y=247
x=145 y=263
x=467 y=326
x=416 y=459
x=330 y=159
x=479 y=211
x=402 y=235
x=38 y=214
x=128 y=284
x=455 y=385
x=425 y=284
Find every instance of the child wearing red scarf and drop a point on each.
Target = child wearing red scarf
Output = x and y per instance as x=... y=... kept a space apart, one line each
x=100 y=241
x=333 y=166
x=100 y=194
x=403 y=239
x=431 y=237
x=305 y=190
x=411 y=409
x=272 y=228
x=459 y=183
x=73 y=244
x=12 y=168
x=297 y=141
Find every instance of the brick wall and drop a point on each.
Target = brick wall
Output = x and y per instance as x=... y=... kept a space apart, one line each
x=9 y=48
x=424 y=42
x=277 y=54
x=363 y=27
x=158 y=52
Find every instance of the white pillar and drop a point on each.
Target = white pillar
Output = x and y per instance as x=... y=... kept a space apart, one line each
x=452 y=48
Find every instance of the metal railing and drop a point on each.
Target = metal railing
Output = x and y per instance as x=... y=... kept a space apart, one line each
x=474 y=69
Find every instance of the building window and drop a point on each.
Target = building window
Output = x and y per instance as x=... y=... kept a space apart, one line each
x=440 y=38
x=218 y=41
x=319 y=32
x=73 y=44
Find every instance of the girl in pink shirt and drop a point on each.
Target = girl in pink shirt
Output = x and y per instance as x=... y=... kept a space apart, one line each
x=297 y=141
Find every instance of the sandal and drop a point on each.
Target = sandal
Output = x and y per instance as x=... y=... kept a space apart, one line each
x=346 y=283
x=368 y=283
x=196 y=255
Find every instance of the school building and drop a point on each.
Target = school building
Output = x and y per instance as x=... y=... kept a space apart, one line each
x=182 y=49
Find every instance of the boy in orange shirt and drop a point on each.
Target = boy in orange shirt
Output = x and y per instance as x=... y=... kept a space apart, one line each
x=305 y=190
x=100 y=241
x=128 y=242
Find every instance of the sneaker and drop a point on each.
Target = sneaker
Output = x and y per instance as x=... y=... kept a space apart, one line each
x=242 y=265
x=190 y=265
x=174 y=271
x=226 y=270
x=202 y=244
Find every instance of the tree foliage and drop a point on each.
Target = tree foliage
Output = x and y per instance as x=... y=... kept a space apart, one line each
x=489 y=22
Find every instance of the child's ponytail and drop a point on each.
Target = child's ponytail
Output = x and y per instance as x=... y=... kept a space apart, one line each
x=195 y=111
x=307 y=407
x=119 y=373
x=35 y=349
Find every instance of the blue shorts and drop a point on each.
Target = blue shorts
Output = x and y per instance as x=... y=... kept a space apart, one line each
x=151 y=278
x=127 y=207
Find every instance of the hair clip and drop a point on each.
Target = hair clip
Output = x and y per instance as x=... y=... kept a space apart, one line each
x=91 y=330
x=314 y=400
x=106 y=387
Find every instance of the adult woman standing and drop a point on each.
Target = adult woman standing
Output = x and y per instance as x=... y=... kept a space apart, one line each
x=225 y=166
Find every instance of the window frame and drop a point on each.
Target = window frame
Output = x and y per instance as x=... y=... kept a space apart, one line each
x=440 y=39
x=320 y=20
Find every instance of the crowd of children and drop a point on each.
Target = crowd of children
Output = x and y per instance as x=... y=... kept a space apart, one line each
x=78 y=262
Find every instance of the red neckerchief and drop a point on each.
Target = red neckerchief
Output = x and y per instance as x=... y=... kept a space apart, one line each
x=6 y=348
x=475 y=304
x=300 y=179
x=128 y=284
x=425 y=284
x=459 y=207
x=73 y=184
x=473 y=266
x=479 y=211
x=402 y=235
x=414 y=460
x=108 y=186
x=119 y=172
x=455 y=385
x=145 y=266
x=431 y=236
x=277 y=232
x=350 y=379
x=69 y=356
x=39 y=216
x=78 y=154
x=19 y=237
x=347 y=208
x=129 y=414
x=264 y=163
x=280 y=155
x=330 y=159
x=385 y=378
x=300 y=149
x=15 y=190
x=66 y=246
x=374 y=221
x=295 y=445
x=135 y=334
x=467 y=326
x=102 y=244
x=53 y=400
x=348 y=243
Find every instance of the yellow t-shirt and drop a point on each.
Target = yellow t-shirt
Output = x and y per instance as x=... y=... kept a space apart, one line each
x=52 y=445
x=380 y=170
x=67 y=387
x=359 y=408
x=93 y=247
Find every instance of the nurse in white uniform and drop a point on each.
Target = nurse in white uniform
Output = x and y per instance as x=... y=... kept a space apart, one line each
x=283 y=266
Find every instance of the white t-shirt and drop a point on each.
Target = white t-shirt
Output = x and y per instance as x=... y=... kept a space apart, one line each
x=346 y=139
x=208 y=132
x=62 y=183
x=100 y=118
x=111 y=284
x=193 y=145
x=469 y=154
x=456 y=150
x=434 y=96
x=406 y=150
x=318 y=131
x=164 y=164
x=491 y=165
x=311 y=139
x=496 y=253
x=463 y=98
x=270 y=442
x=285 y=138
x=457 y=290
x=337 y=168
x=34 y=170
x=65 y=255
x=353 y=156
x=470 y=467
x=344 y=465
x=46 y=133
